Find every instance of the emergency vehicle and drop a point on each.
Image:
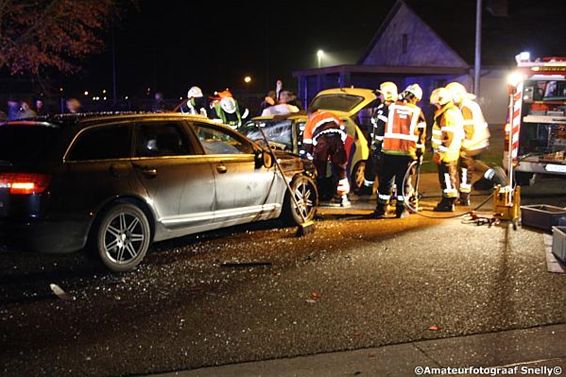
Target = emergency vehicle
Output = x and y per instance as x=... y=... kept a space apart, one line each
x=536 y=131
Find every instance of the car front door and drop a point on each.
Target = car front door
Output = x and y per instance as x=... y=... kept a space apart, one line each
x=243 y=187
x=168 y=167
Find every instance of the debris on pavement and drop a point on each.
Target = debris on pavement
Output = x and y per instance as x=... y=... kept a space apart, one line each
x=434 y=328
x=59 y=292
x=247 y=265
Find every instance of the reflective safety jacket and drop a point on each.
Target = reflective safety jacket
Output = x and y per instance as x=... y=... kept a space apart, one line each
x=448 y=132
x=378 y=121
x=234 y=120
x=405 y=130
x=320 y=123
x=475 y=126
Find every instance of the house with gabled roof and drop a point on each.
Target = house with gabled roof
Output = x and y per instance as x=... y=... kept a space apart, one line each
x=417 y=43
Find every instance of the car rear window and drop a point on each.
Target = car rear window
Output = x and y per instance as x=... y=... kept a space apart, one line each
x=338 y=102
x=25 y=144
x=101 y=143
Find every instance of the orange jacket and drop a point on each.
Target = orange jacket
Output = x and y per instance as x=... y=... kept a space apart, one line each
x=405 y=130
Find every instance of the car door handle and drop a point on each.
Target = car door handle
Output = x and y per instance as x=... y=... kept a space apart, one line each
x=147 y=171
x=221 y=169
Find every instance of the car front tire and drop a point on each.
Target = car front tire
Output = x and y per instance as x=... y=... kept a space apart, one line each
x=305 y=191
x=122 y=237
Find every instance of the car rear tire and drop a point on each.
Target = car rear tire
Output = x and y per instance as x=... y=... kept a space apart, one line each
x=306 y=193
x=358 y=176
x=122 y=237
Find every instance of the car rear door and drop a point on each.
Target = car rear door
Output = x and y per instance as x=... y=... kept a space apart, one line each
x=166 y=164
x=242 y=187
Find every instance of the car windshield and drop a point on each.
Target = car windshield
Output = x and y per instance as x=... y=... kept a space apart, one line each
x=279 y=133
x=25 y=144
x=337 y=102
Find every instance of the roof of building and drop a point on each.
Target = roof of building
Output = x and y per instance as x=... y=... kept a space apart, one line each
x=522 y=25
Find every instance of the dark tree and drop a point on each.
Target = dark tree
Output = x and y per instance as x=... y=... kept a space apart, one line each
x=52 y=34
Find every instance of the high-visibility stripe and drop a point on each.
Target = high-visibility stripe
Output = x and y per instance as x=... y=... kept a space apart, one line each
x=391 y=135
x=447 y=182
x=379 y=138
x=420 y=145
x=368 y=183
x=421 y=125
x=400 y=198
x=384 y=197
x=447 y=129
x=307 y=141
x=442 y=148
x=436 y=132
x=382 y=118
x=464 y=177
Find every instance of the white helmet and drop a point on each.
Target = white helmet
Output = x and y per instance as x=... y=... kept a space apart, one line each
x=415 y=90
x=194 y=92
x=388 y=90
x=228 y=104
x=440 y=96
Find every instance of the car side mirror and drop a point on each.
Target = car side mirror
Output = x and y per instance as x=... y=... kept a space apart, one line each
x=263 y=158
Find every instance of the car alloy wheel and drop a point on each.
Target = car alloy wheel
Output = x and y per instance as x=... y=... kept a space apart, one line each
x=123 y=237
x=304 y=189
x=358 y=176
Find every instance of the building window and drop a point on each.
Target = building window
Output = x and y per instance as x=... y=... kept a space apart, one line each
x=405 y=42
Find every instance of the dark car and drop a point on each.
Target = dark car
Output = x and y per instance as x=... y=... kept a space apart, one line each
x=116 y=183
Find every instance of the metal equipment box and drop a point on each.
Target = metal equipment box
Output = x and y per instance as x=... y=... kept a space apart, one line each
x=559 y=242
x=543 y=216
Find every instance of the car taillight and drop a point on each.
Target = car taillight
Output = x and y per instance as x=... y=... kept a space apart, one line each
x=24 y=183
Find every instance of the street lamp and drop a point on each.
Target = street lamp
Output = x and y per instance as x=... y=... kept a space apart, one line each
x=247 y=79
x=319 y=55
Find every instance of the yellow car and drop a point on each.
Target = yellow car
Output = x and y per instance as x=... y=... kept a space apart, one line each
x=286 y=131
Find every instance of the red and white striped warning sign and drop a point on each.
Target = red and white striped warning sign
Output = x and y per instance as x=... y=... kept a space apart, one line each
x=515 y=117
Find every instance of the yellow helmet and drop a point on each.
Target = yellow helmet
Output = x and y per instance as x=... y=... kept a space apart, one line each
x=458 y=91
x=388 y=90
x=440 y=96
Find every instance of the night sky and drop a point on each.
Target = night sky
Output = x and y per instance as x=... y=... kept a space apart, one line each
x=170 y=45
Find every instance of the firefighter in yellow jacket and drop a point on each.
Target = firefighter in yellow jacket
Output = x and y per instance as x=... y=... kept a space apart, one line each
x=447 y=136
x=476 y=139
x=403 y=142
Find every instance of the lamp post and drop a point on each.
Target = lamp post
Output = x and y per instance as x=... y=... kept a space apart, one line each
x=319 y=55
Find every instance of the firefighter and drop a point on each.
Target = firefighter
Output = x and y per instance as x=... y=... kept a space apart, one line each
x=447 y=136
x=323 y=140
x=388 y=95
x=403 y=143
x=227 y=109
x=476 y=139
x=195 y=104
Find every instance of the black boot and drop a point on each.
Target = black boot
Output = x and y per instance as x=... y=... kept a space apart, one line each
x=464 y=199
x=380 y=210
x=445 y=205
